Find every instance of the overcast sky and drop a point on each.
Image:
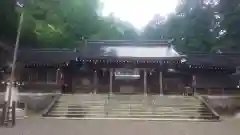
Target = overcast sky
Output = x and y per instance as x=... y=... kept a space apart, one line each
x=138 y=12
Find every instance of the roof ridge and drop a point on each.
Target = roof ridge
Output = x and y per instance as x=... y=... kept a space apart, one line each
x=48 y=49
x=126 y=42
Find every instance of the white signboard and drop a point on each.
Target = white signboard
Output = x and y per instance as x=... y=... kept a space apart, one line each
x=125 y=74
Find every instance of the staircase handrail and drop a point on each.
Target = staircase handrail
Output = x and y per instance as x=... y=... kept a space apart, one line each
x=45 y=111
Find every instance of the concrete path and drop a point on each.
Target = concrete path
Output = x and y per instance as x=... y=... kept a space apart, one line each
x=37 y=126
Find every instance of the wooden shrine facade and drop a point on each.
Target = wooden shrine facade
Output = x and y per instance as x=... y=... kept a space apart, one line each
x=124 y=68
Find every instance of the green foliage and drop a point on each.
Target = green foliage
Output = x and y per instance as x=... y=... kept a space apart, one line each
x=8 y=20
x=197 y=25
x=65 y=23
x=190 y=28
x=230 y=12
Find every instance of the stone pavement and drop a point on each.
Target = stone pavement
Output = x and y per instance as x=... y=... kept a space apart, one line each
x=38 y=126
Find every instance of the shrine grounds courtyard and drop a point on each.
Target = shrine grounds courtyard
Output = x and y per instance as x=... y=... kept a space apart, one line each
x=39 y=126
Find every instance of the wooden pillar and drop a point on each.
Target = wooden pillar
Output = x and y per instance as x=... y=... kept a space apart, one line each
x=58 y=75
x=161 y=82
x=111 y=81
x=47 y=75
x=29 y=76
x=67 y=76
x=70 y=82
x=37 y=76
x=194 y=83
x=95 y=80
x=145 y=82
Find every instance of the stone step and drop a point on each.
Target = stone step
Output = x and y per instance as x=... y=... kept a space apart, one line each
x=154 y=116
x=85 y=102
x=77 y=111
x=132 y=111
x=129 y=111
x=176 y=102
x=83 y=98
x=152 y=110
x=158 y=108
x=126 y=112
x=167 y=105
x=77 y=106
x=130 y=106
x=80 y=105
x=130 y=116
x=83 y=107
x=126 y=104
x=154 y=103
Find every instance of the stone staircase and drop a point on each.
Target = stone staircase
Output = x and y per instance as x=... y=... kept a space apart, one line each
x=78 y=106
x=135 y=107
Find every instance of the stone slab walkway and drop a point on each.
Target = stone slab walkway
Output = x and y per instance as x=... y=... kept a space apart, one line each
x=38 y=126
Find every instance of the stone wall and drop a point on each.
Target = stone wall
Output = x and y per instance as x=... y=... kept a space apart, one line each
x=35 y=102
x=224 y=105
x=214 y=81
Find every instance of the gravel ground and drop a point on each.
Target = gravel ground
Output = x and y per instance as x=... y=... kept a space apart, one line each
x=38 y=126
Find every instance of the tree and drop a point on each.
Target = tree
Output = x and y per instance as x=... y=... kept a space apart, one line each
x=64 y=23
x=229 y=31
x=191 y=28
x=44 y=25
x=8 y=17
x=156 y=28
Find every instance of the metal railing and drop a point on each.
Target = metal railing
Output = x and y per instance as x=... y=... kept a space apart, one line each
x=45 y=111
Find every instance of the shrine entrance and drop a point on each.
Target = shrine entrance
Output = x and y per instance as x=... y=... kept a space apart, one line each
x=127 y=81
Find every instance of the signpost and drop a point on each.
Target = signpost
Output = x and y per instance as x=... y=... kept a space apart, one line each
x=11 y=89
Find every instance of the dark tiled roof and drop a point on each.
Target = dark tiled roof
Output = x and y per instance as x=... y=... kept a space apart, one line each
x=210 y=60
x=235 y=58
x=124 y=50
x=46 y=56
x=128 y=42
x=153 y=49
